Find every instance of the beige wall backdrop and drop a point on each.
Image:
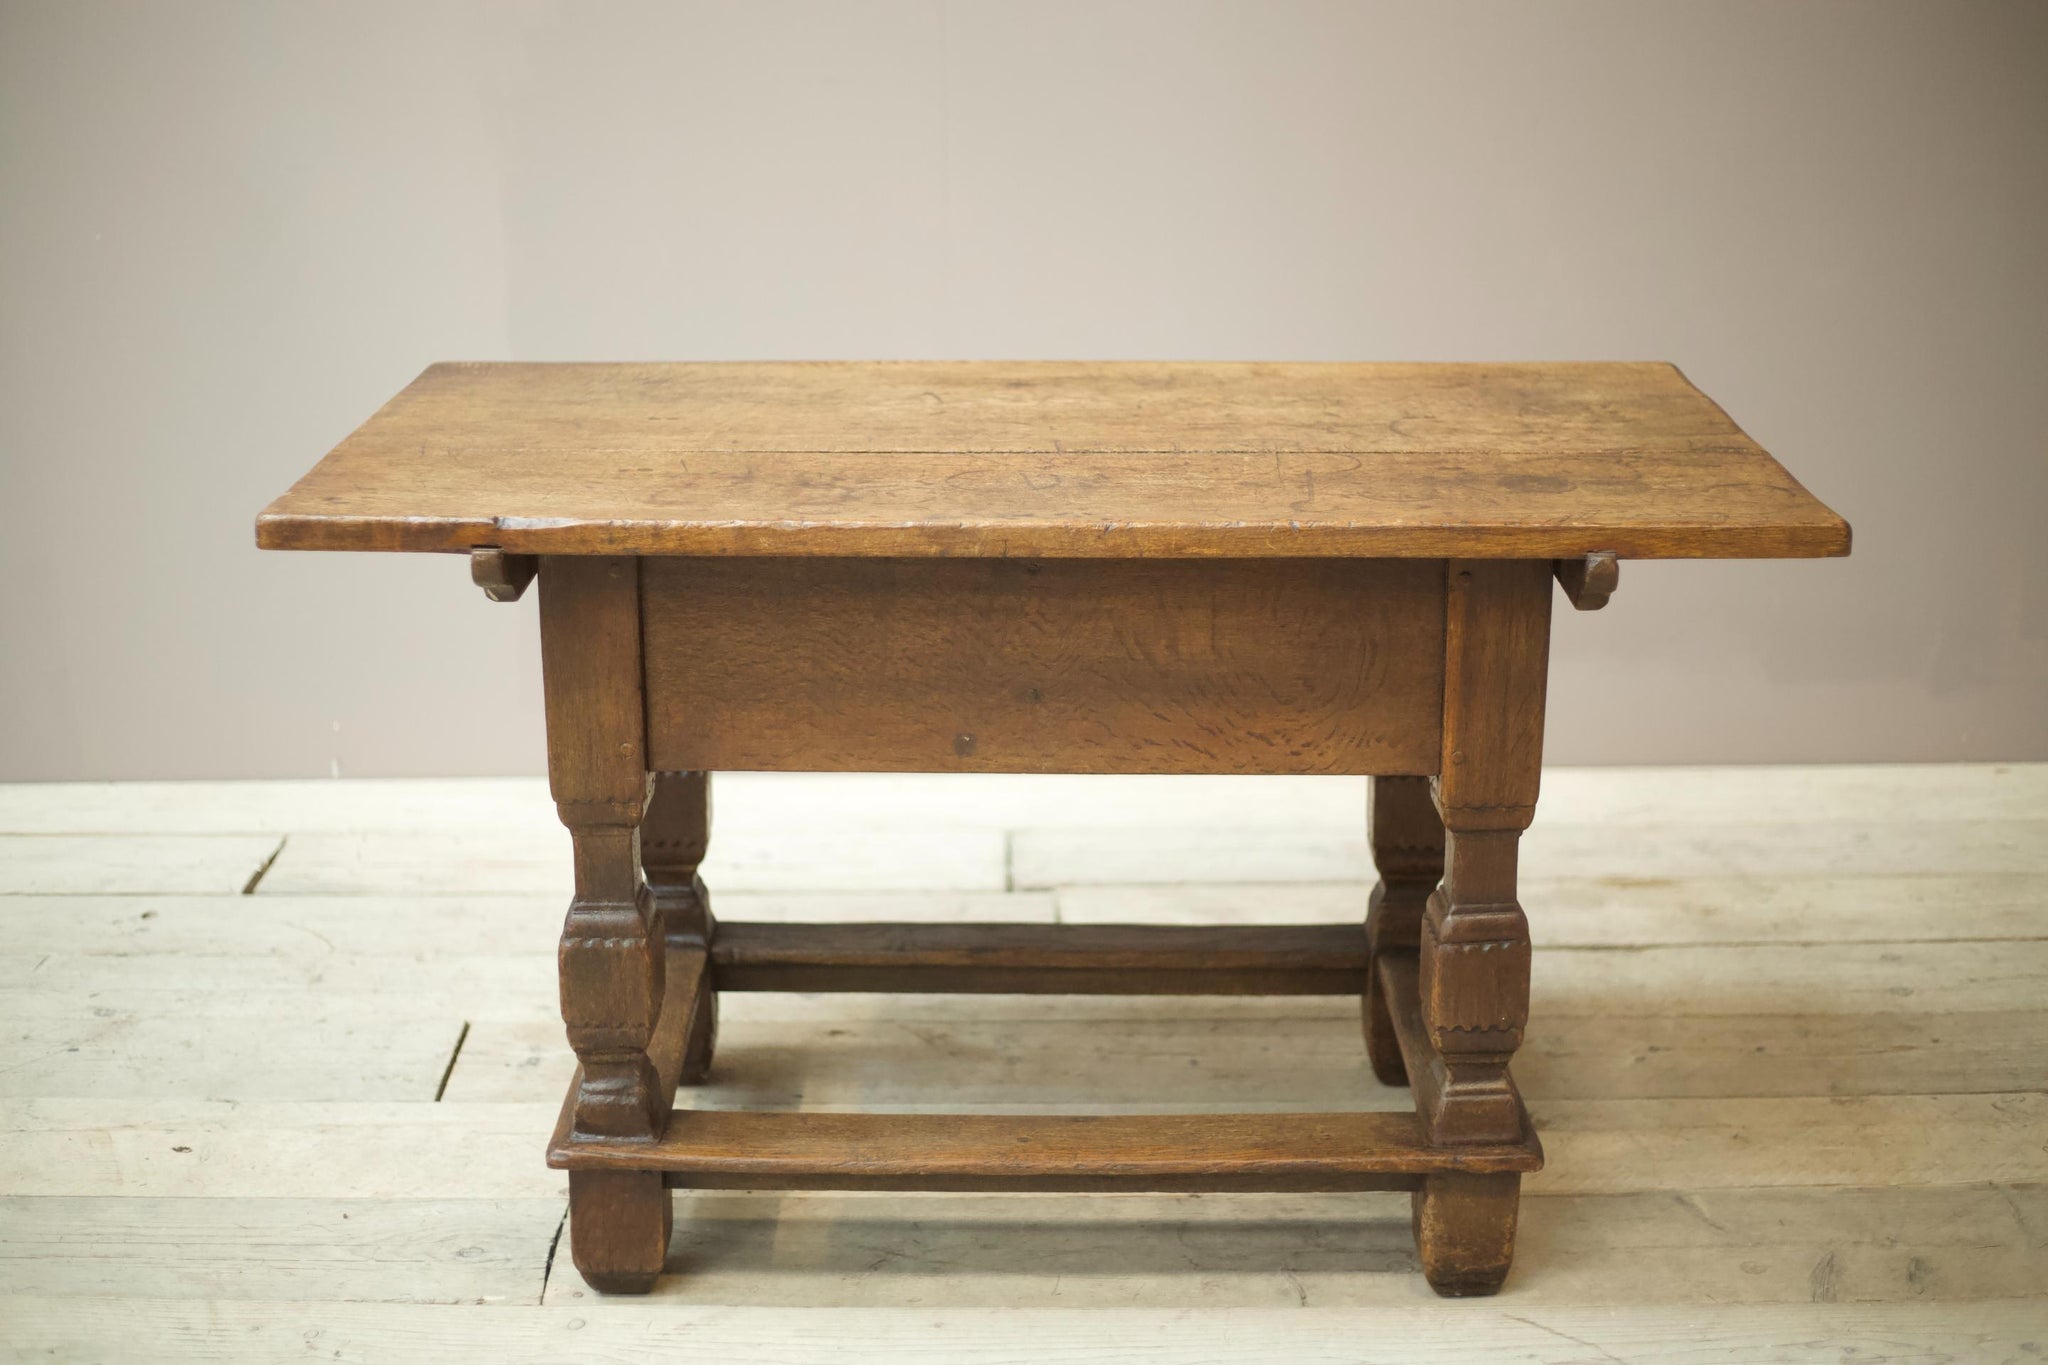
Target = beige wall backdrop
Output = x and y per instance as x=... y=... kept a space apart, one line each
x=228 y=232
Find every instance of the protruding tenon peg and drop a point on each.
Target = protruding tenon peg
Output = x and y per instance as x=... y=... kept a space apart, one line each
x=503 y=577
x=1590 y=579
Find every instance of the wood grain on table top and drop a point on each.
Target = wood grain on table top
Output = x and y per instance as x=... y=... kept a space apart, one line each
x=1057 y=459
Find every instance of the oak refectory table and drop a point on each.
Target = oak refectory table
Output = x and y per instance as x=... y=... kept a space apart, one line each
x=1080 y=568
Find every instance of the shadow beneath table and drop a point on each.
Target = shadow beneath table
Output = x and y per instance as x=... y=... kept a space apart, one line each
x=1039 y=1250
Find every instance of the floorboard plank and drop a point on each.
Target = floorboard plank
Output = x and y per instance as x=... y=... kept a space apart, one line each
x=1150 y=1251
x=1603 y=796
x=1053 y=857
x=277 y=807
x=476 y=1251
x=131 y=864
x=1563 y=912
x=151 y=1053
x=1623 y=1146
x=433 y=986
x=1852 y=978
x=1335 y=1251
x=225 y=1149
x=308 y=928
x=200 y=1330
x=1285 y=1062
x=1818 y=793
x=910 y=858
x=1618 y=912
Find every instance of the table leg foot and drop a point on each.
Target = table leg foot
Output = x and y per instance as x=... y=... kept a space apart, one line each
x=619 y=1225
x=1465 y=1231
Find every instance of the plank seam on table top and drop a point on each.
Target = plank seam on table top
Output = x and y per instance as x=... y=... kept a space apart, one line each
x=1058 y=449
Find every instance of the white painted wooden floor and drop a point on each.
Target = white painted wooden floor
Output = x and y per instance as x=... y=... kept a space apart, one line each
x=277 y=1061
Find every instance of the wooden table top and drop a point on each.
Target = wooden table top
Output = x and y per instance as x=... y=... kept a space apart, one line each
x=1068 y=459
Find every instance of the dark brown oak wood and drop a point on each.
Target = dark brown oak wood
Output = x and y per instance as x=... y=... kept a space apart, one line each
x=628 y=1024
x=612 y=953
x=1496 y=664
x=1465 y=1230
x=680 y=1047
x=1074 y=959
x=619 y=1226
x=1407 y=839
x=722 y=1149
x=1474 y=954
x=1396 y=972
x=677 y=1042
x=674 y=836
x=1055 y=459
x=1589 y=580
x=1464 y=1222
x=1261 y=666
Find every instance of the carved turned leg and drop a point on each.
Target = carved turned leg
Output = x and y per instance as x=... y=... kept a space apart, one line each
x=1474 y=982
x=613 y=954
x=673 y=841
x=613 y=976
x=1473 y=964
x=1408 y=849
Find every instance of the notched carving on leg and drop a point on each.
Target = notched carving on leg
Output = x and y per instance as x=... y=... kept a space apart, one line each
x=1475 y=974
x=612 y=968
x=1473 y=982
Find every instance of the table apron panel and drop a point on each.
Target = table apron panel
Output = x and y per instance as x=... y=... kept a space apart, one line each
x=1080 y=666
